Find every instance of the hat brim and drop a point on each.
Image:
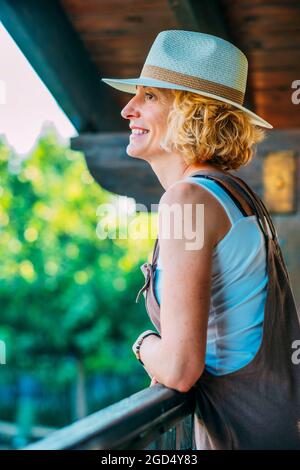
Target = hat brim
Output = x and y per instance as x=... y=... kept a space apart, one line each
x=128 y=85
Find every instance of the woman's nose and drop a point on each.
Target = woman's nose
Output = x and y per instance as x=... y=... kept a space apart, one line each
x=129 y=110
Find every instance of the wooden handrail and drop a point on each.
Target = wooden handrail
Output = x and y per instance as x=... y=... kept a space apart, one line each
x=131 y=423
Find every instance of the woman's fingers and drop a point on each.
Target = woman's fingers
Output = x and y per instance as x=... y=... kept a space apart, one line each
x=153 y=381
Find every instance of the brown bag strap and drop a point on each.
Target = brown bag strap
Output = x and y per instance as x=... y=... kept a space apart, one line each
x=260 y=202
x=258 y=207
x=246 y=192
x=271 y=225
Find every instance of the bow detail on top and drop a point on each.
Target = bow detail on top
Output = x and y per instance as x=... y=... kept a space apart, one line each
x=147 y=271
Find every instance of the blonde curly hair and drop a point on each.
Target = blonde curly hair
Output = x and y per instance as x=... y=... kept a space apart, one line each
x=208 y=130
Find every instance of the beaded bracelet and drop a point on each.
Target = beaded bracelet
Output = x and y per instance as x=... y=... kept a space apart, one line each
x=139 y=341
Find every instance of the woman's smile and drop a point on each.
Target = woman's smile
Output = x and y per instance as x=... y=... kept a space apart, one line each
x=133 y=135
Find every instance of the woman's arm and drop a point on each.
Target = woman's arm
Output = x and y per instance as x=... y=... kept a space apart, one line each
x=186 y=287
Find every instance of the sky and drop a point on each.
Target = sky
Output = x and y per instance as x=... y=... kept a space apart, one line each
x=26 y=105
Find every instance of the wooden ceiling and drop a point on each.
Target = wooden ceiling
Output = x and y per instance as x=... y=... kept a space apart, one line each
x=117 y=35
x=268 y=32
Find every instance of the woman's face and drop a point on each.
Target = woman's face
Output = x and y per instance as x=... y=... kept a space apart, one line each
x=148 y=110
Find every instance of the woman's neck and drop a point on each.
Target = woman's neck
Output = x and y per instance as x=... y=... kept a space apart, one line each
x=171 y=173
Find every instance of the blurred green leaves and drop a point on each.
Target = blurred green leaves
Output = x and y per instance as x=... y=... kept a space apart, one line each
x=64 y=293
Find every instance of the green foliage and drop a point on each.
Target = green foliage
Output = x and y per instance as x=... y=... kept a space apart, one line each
x=66 y=294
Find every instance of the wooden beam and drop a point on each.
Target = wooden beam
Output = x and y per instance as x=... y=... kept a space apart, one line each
x=115 y=170
x=46 y=37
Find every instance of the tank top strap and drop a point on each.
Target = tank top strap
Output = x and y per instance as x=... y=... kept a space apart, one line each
x=231 y=205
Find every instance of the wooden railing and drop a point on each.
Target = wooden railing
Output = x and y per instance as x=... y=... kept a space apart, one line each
x=154 y=418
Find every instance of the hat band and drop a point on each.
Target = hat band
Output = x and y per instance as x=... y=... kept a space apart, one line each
x=201 y=84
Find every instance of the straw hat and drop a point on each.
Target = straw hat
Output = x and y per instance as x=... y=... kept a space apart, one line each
x=196 y=62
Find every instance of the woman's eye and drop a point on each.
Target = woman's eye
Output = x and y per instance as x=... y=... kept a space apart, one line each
x=149 y=94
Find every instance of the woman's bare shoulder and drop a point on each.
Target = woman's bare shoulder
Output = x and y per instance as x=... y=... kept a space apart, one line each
x=216 y=221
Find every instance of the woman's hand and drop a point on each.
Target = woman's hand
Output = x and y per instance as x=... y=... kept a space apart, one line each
x=153 y=382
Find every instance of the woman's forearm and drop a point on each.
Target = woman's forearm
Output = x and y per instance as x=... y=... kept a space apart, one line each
x=154 y=361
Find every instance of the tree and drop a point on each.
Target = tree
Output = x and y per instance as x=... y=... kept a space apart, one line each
x=68 y=297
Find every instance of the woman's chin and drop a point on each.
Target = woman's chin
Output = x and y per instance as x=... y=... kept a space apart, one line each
x=134 y=152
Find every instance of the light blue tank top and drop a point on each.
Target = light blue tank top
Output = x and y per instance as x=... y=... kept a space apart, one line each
x=238 y=290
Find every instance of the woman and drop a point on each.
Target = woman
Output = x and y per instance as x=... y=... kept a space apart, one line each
x=223 y=306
